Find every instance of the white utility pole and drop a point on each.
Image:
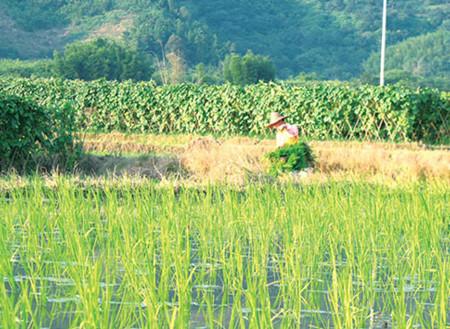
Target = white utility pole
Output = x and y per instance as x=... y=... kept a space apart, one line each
x=383 y=43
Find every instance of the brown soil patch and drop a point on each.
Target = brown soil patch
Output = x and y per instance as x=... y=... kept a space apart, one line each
x=113 y=30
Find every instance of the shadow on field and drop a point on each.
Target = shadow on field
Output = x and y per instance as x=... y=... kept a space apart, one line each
x=149 y=166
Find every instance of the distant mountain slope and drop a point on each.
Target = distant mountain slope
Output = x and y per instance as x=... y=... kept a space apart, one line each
x=298 y=36
x=330 y=37
x=15 y=42
x=30 y=29
x=423 y=57
x=406 y=18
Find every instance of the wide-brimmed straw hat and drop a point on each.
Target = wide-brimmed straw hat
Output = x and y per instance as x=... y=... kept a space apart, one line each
x=275 y=117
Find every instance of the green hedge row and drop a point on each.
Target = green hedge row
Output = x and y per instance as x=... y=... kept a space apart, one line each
x=322 y=110
x=32 y=135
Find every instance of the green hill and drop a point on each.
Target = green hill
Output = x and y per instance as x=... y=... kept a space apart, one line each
x=424 y=59
x=332 y=38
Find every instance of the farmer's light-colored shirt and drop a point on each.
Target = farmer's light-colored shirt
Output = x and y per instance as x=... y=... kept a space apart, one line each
x=287 y=134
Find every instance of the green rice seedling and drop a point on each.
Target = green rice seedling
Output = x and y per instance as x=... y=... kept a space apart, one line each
x=330 y=255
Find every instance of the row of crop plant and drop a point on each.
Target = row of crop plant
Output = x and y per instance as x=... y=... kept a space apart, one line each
x=322 y=110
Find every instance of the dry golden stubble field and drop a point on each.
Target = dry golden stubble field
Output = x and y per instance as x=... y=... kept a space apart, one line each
x=236 y=159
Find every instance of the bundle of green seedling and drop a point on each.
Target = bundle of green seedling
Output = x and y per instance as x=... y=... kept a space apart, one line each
x=290 y=159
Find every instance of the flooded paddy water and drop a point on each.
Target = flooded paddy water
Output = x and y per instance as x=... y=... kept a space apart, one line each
x=338 y=255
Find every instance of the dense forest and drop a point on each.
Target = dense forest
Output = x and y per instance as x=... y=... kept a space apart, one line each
x=329 y=39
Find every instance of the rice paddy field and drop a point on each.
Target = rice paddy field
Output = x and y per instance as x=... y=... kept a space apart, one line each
x=280 y=255
x=152 y=223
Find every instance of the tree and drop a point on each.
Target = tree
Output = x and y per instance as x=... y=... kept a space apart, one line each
x=203 y=74
x=248 y=69
x=102 y=58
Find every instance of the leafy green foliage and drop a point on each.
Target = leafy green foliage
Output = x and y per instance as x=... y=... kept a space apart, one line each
x=290 y=158
x=102 y=58
x=321 y=110
x=248 y=69
x=30 y=133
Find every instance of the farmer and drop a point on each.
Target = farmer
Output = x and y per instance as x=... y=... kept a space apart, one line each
x=286 y=134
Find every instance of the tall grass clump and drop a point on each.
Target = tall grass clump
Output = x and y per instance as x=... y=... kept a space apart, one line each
x=336 y=255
